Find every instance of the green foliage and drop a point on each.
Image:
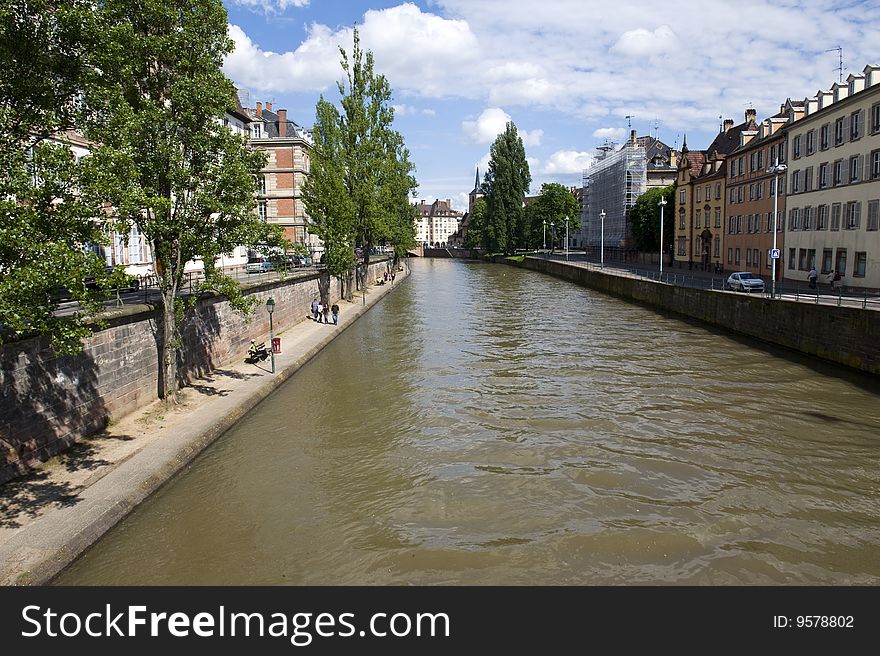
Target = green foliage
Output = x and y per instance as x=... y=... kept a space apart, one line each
x=507 y=182
x=46 y=224
x=645 y=219
x=476 y=225
x=554 y=206
x=360 y=178
x=166 y=162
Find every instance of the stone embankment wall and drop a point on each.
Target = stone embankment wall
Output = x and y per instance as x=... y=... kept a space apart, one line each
x=47 y=401
x=847 y=336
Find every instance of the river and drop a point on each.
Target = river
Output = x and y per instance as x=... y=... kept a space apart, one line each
x=489 y=425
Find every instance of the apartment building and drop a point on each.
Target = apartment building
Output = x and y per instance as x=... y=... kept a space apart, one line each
x=436 y=223
x=833 y=203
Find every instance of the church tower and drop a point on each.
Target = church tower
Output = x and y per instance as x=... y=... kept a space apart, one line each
x=476 y=194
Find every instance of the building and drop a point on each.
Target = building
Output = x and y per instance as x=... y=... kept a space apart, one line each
x=436 y=223
x=279 y=194
x=701 y=189
x=751 y=190
x=833 y=203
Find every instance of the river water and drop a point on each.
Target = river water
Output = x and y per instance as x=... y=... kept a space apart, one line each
x=488 y=425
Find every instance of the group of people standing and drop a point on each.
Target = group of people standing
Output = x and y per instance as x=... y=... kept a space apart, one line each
x=326 y=311
x=833 y=278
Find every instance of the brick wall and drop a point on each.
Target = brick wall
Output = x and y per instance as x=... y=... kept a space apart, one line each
x=47 y=401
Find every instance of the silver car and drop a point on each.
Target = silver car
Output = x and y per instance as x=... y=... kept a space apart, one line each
x=745 y=281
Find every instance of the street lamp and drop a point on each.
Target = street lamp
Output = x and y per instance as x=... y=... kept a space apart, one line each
x=776 y=169
x=270 y=307
x=662 y=203
x=544 y=222
x=602 y=250
x=566 y=237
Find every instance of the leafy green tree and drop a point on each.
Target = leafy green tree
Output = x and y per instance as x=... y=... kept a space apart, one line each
x=555 y=205
x=166 y=162
x=507 y=182
x=476 y=225
x=361 y=176
x=645 y=219
x=47 y=224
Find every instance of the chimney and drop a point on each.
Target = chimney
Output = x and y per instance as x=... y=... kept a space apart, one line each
x=673 y=158
x=632 y=135
x=728 y=123
x=259 y=110
x=751 y=114
x=282 y=122
x=269 y=106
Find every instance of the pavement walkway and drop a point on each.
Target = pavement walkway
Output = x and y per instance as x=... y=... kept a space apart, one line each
x=51 y=516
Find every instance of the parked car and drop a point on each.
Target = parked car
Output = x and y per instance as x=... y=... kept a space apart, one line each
x=744 y=281
x=259 y=264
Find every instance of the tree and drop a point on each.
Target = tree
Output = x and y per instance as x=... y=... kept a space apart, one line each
x=554 y=205
x=645 y=219
x=360 y=178
x=507 y=182
x=166 y=162
x=47 y=224
x=476 y=225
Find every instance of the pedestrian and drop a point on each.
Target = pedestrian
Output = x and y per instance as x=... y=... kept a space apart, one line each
x=335 y=310
x=838 y=279
x=830 y=279
x=813 y=276
x=319 y=312
x=393 y=274
x=326 y=314
x=315 y=308
x=385 y=276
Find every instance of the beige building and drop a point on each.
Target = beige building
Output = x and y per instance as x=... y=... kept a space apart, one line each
x=833 y=194
x=436 y=223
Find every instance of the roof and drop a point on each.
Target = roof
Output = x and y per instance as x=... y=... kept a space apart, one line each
x=695 y=161
x=729 y=140
x=655 y=148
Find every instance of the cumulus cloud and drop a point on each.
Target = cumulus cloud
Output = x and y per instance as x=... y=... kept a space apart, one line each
x=493 y=122
x=567 y=161
x=271 y=6
x=645 y=43
x=612 y=134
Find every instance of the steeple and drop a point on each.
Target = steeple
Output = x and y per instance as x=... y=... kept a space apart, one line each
x=477 y=181
x=684 y=145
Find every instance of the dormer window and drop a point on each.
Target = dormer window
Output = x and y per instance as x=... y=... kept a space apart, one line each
x=256 y=130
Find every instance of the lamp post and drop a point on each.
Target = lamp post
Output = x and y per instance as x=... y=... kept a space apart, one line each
x=544 y=222
x=566 y=238
x=602 y=244
x=662 y=203
x=270 y=308
x=776 y=169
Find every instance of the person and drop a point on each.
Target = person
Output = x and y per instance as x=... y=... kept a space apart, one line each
x=315 y=308
x=319 y=312
x=830 y=279
x=335 y=310
x=838 y=278
x=813 y=276
x=385 y=276
x=393 y=274
x=252 y=349
x=326 y=314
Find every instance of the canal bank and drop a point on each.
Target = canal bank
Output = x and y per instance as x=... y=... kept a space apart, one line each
x=843 y=335
x=52 y=515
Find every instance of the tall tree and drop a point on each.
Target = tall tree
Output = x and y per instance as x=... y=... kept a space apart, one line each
x=47 y=224
x=556 y=206
x=476 y=225
x=645 y=219
x=507 y=181
x=360 y=176
x=166 y=162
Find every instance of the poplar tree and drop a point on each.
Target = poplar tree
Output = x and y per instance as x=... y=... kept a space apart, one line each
x=360 y=179
x=166 y=162
x=507 y=183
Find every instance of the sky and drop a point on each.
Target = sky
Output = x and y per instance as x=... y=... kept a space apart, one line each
x=570 y=74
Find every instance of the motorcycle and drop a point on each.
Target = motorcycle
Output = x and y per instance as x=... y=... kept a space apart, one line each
x=257 y=353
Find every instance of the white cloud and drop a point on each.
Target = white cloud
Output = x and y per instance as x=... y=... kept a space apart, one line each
x=404 y=110
x=612 y=134
x=644 y=43
x=493 y=122
x=429 y=112
x=567 y=161
x=271 y=6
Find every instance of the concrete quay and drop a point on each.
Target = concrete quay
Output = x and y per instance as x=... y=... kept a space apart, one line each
x=52 y=515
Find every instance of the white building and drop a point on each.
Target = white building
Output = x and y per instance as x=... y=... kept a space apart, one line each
x=436 y=223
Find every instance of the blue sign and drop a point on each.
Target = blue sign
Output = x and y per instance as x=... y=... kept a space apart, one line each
x=774 y=253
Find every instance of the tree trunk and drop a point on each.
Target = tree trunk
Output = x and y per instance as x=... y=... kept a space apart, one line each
x=168 y=346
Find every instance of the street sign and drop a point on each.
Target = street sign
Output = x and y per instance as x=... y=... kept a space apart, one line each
x=774 y=253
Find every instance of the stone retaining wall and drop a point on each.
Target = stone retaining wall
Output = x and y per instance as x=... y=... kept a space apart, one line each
x=47 y=401
x=847 y=336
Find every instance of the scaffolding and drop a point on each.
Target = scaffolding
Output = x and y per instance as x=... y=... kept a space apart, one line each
x=613 y=184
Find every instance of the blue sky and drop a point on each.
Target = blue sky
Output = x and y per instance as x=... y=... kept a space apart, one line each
x=567 y=72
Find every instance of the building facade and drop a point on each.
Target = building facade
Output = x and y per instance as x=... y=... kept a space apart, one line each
x=833 y=203
x=436 y=223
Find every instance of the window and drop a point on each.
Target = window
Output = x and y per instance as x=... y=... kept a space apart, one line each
x=822 y=217
x=748 y=257
x=716 y=249
x=736 y=256
x=835 y=216
x=841 y=261
x=760 y=159
x=808 y=218
x=731 y=195
x=740 y=193
x=760 y=190
x=811 y=142
x=795 y=182
x=793 y=219
x=261 y=183
x=875 y=118
x=739 y=226
x=855 y=125
x=749 y=222
x=751 y=192
x=792 y=255
x=753 y=162
x=796 y=147
x=853 y=209
x=681 y=198
x=826 y=260
x=263 y=210
x=769 y=222
x=860 y=264
x=730 y=256
x=803 y=260
x=772 y=155
x=808 y=178
x=782 y=153
x=873 y=215
x=838 y=172
x=717 y=217
x=697 y=218
x=731 y=225
x=875 y=164
x=699 y=194
x=256 y=130
x=838 y=131
x=823 y=136
x=823 y=175
x=681 y=225
x=773 y=186
x=855 y=168
x=717 y=191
